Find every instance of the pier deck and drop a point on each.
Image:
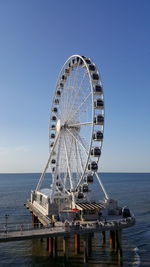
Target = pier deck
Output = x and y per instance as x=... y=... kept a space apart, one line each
x=61 y=230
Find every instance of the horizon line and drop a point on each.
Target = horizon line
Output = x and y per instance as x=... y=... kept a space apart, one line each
x=50 y=172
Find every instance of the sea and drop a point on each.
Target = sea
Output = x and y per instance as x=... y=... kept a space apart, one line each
x=130 y=189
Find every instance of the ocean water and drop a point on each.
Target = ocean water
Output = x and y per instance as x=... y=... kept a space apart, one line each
x=132 y=189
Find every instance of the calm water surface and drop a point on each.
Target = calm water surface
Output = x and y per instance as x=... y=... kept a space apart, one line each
x=132 y=189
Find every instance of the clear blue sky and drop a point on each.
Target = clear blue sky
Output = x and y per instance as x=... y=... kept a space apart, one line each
x=36 y=37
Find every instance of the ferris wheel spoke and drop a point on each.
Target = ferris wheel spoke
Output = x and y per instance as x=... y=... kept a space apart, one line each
x=77 y=152
x=68 y=166
x=66 y=98
x=81 y=161
x=60 y=114
x=81 y=178
x=57 y=165
x=69 y=88
x=80 y=143
x=80 y=124
x=79 y=108
x=80 y=98
x=74 y=84
x=68 y=193
x=78 y=167
x=83 y=142
x=77 y=92
x=65 y=178
x=83 y=145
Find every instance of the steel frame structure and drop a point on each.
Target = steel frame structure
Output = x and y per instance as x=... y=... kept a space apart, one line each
x=77 y=107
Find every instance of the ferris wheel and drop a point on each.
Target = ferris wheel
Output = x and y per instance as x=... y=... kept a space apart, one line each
x=76 y=130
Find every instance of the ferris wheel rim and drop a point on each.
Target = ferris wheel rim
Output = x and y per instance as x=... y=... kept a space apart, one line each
x=93 y=111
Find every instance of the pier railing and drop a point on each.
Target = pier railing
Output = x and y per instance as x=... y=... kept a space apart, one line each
x=69 y=226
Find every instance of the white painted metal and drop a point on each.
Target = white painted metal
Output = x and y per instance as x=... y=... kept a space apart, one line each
x=74 y=127
x=46 y=167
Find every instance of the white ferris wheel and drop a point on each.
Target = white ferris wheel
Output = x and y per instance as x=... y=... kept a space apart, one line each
x=76 y=130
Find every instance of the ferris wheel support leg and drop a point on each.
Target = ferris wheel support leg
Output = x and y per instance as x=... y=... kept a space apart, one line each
x=46 y=167
x=100 y=182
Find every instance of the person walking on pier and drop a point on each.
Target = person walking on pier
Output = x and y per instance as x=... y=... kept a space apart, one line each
x=5 y=229
x=21 y=228
x=53 y=223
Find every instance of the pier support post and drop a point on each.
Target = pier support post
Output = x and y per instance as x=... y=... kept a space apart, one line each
x=54 y=247
x=50 y=245
x=77 y=243
x=103 y=237
x=119 y=244
x=89 y=244
x=112 y=239
x=33 y=219
x=65 y=249
x=85 y=250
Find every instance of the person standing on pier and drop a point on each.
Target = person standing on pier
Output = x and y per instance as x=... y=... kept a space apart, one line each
x=21 y=228
x=5 y=229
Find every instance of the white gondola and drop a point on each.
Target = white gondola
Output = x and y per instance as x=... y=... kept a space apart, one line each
x=67 y=71
x=80 y=195
x=87 y=60
x=98 y=136
x=61 y=85
x=78 y=61
x=93 y=166
x=53 y=161
x=92 y=67
x=58 y=183
x=99 y=119
x=53 y=127
x=80 y=188
x=98 y=103
x=85 y=188
x=52 y=135
x=56 y=101
x=95 y=77
x=55 y=109
x=64 y=77
x=89 y=178
x=73 y=62
x=54 y=118
x=96 y=152
x=97 y=90
x=58 y=93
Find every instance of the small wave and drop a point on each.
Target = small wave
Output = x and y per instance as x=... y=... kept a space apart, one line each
x=136 y=258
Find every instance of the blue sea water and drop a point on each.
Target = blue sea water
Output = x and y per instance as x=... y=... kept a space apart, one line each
x=132 y=189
